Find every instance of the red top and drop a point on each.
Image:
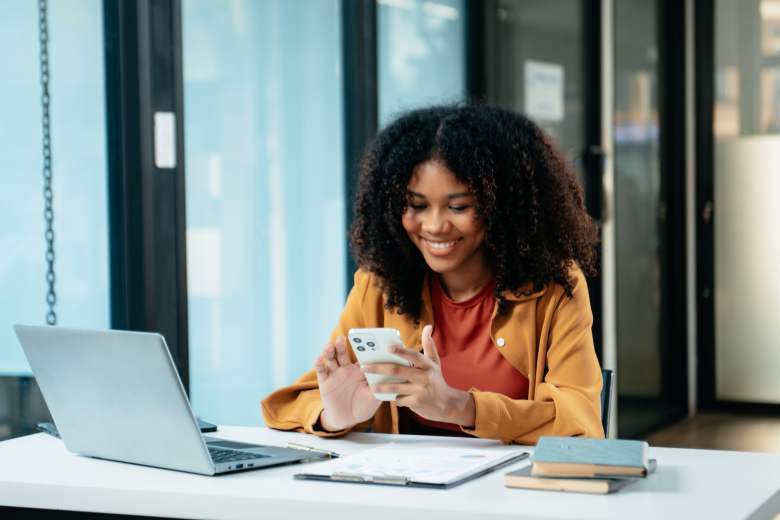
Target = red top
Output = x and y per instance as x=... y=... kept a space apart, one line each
x=469 y=359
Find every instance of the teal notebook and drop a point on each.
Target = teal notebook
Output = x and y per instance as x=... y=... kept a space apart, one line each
x=577 y=456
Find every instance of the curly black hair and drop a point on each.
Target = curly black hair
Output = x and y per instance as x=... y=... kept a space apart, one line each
x=536 y=226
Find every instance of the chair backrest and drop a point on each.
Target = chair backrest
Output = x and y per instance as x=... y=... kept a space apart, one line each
x=606 y=395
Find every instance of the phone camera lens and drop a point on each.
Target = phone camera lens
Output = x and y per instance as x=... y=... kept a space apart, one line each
x=370 y=343
x=361 y=348
x=357 y=340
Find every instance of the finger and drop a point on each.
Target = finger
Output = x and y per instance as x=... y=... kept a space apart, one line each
x=329 y=354
x=389 y=369
x=408 y=401
x=342 y=357
x=320 y=369
x=397 y=388
x=415 y=358
x=429 y=347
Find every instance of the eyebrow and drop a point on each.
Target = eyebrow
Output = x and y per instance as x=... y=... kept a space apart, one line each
x=450 y=196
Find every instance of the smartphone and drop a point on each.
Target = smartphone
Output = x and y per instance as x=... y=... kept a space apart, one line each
x=371 y=346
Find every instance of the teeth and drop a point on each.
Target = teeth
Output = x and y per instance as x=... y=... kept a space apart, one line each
x=441 y=245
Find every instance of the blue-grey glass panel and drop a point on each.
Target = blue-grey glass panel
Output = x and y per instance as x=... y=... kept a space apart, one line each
x=422 y=60
x=265 y=196
x=79 y=171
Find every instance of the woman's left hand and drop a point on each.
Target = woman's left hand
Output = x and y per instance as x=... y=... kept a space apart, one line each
x=426 y=393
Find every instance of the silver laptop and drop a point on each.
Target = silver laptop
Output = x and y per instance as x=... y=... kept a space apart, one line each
x=116 y=395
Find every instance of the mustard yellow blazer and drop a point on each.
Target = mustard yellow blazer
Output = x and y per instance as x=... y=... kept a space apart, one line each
x=545 y=335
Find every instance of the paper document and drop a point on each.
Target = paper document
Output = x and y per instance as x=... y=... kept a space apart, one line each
x=419 y=465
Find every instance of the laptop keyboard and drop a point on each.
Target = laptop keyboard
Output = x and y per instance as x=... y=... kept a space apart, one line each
x=219 y=455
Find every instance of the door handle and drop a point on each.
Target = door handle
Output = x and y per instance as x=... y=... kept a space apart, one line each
x=594 y=162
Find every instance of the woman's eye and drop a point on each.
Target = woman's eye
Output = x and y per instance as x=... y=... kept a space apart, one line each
x=417 y=207
x=459 y=209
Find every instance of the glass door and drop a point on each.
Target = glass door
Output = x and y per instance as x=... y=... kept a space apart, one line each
x=542 y=58
x=650 y=333
x=536 y=66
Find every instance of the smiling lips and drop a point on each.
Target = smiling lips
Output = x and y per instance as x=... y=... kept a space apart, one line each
x=439 y=247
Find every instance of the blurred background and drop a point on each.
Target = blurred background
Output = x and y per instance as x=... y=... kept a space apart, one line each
x=203 y=160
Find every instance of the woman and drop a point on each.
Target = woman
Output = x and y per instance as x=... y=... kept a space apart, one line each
x=472 y=239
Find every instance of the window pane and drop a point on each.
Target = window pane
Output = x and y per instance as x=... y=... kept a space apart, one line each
x=747 y=68
x=265 y=196
x=746 y=183
x=422 y=60
x=79 y=171
x=639 y=218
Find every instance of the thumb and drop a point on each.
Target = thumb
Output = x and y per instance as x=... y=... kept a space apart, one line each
x=429 y=347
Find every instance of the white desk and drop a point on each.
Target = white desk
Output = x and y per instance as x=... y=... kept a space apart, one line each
x=37 y=472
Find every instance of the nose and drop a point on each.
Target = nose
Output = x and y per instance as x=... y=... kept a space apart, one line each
x=435 y=223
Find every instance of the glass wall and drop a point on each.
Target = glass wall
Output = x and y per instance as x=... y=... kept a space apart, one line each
x=421 y=54
x=746 y=182
x=639 y=216
x=538 y=68
x=265 y=196
x=78 y=140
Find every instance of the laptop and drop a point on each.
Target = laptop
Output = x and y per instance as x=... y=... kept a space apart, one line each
x=116 y=395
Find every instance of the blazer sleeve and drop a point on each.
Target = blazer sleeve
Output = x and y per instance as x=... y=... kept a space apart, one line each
x=567 y=401
x=297 y=407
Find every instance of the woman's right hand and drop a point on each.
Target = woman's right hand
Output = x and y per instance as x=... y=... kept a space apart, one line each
x=345 y=393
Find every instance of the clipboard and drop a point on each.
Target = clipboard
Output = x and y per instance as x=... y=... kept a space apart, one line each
x=413 y=466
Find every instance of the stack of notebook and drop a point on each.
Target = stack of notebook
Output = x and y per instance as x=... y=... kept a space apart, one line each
x=583 y=465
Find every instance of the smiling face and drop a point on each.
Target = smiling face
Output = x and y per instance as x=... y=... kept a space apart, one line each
x=441 y=220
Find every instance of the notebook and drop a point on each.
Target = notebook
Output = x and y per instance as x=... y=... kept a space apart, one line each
x=420 y=466
x=576 y=457
x=522 y=478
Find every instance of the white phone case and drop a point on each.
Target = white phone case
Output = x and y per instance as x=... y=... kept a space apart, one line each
x=371 y=346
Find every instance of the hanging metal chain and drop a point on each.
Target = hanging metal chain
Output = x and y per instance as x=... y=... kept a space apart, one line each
x=48 y=212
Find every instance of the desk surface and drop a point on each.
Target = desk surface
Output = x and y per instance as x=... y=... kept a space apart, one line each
x=37 y=471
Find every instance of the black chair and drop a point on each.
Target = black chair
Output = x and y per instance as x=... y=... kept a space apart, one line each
x=606 y=394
